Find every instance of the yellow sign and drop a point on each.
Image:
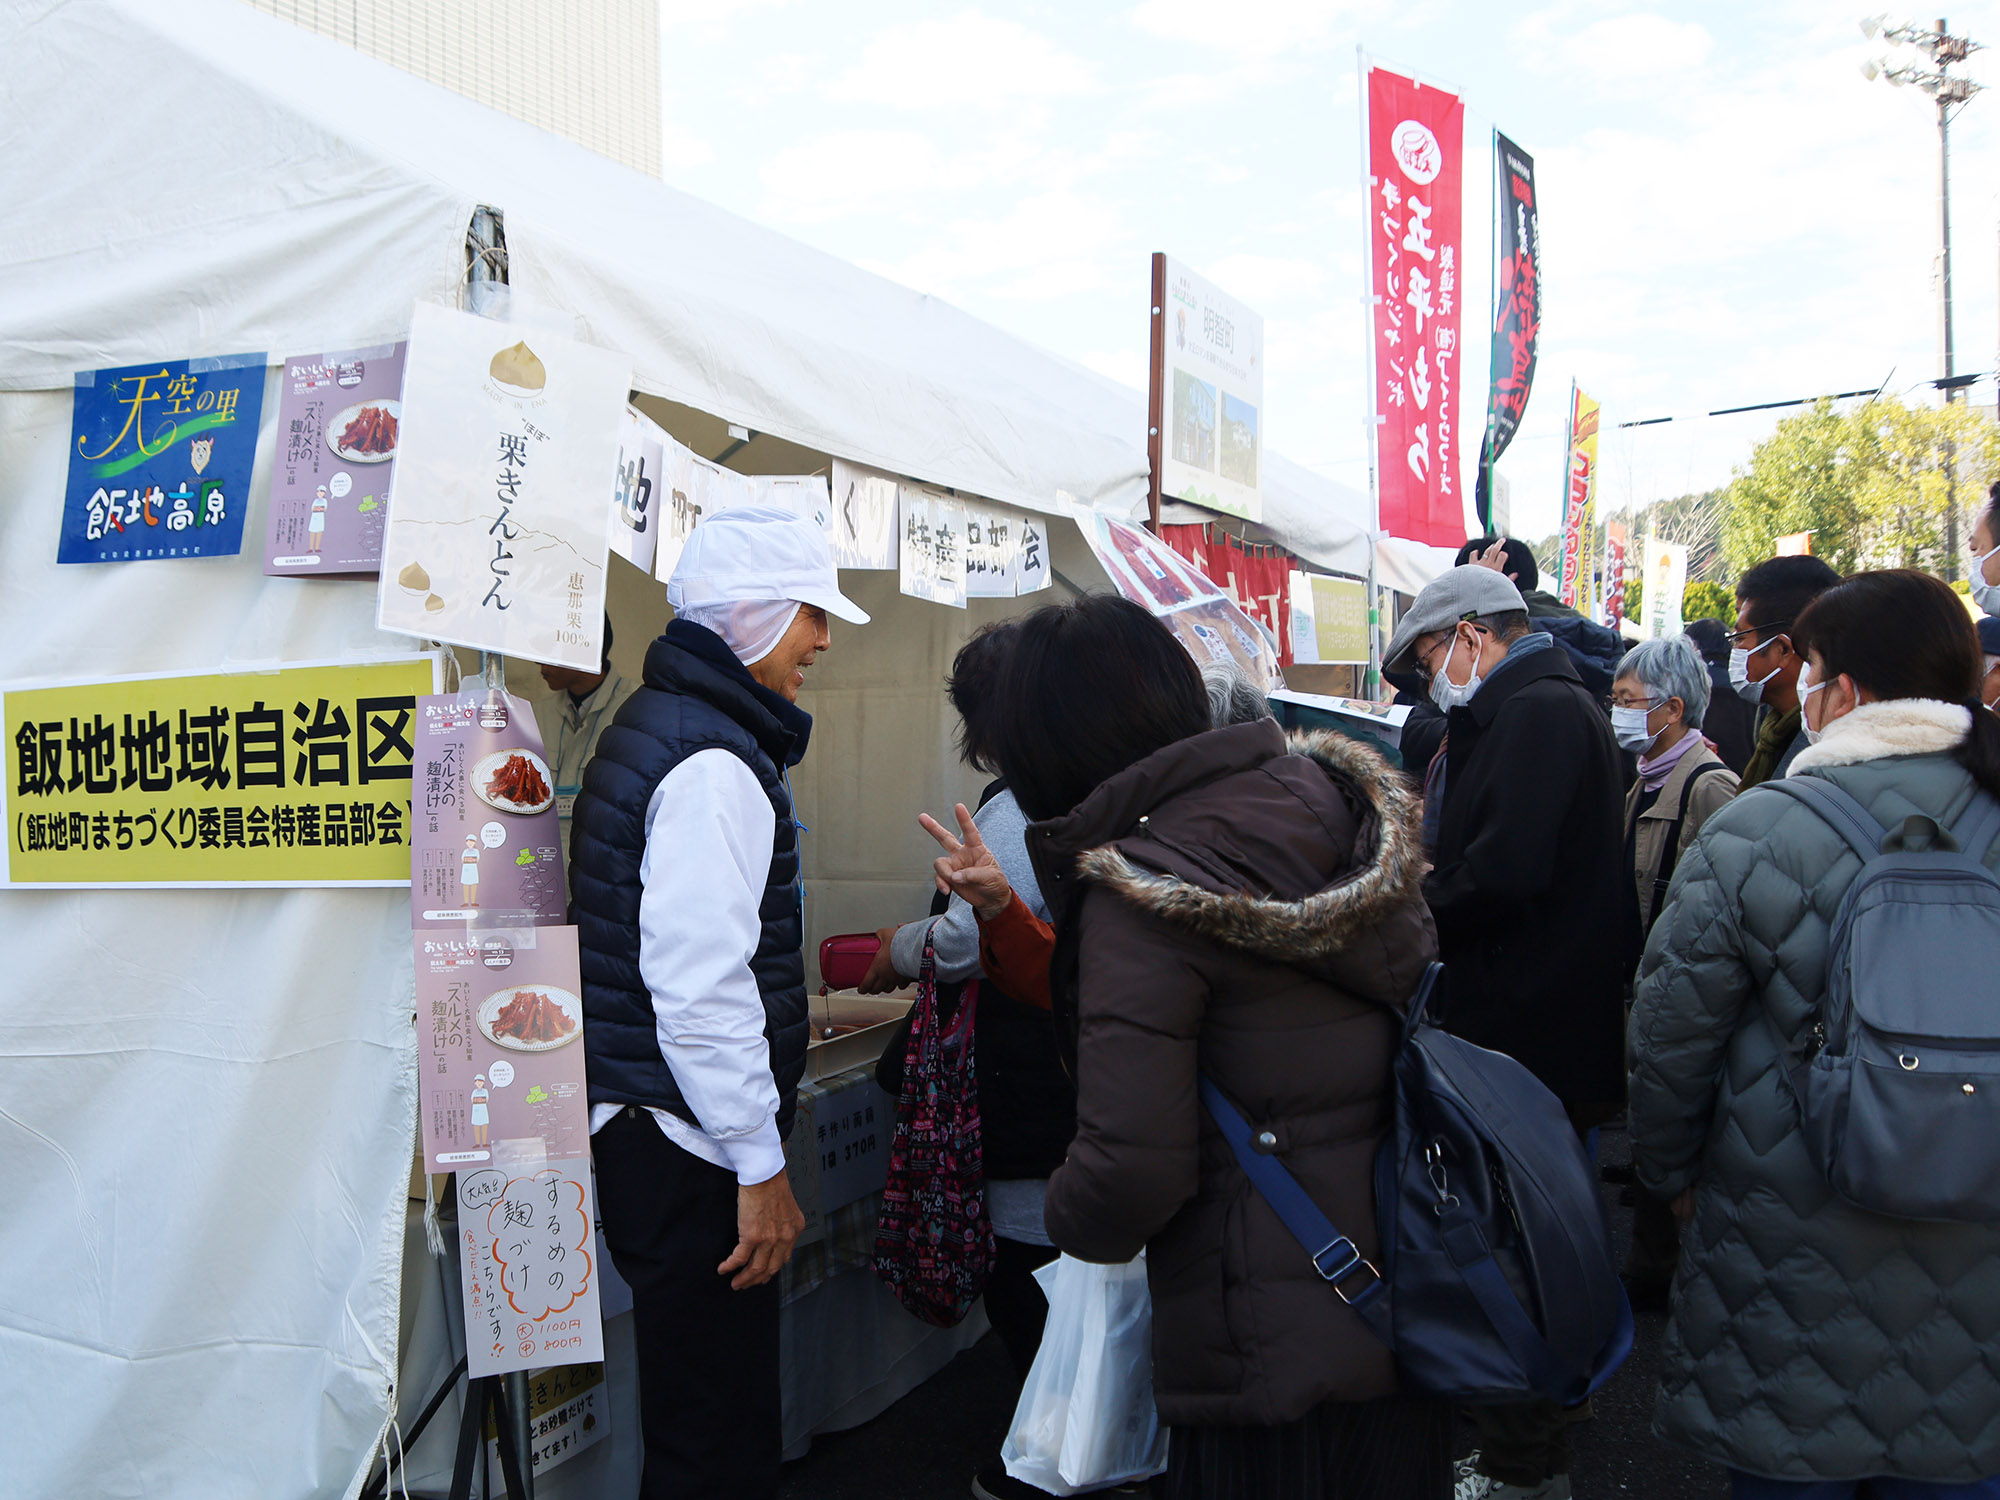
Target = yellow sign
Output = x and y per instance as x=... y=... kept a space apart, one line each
x=1340 y=619
x=297 y=777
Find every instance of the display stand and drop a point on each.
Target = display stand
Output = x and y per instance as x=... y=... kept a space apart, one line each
x=508 y=1406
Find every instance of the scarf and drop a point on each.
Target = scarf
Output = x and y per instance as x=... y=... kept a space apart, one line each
x=1774 y=738
x=1653 y=773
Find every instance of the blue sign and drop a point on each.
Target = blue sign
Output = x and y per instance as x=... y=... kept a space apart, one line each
x=159 y=460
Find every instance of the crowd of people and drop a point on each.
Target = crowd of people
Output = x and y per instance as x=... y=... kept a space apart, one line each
x=1159 y=886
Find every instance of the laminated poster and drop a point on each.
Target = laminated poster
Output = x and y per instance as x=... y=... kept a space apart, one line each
x=500 y=1022
x=293 y=778
x=160 y=458
x=1207 y=622
x=486 y=846
x=499 y=536
x=340 y=422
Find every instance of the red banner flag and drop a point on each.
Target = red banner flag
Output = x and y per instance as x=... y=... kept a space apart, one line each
x=1416 y=165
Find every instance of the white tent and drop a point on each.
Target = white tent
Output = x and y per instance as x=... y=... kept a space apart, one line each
x=207 y=1099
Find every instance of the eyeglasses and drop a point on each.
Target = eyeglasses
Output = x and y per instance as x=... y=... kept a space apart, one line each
x=1649 y=704
x=1736 y=636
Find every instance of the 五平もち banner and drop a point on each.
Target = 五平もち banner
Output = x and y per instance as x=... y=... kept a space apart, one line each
x=1416 y=171
x=291 y=778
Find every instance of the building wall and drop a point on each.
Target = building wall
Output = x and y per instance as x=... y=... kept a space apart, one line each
x=586 y=70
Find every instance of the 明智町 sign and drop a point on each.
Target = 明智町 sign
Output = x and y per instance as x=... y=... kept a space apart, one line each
x=160 y=458
x=298 y=777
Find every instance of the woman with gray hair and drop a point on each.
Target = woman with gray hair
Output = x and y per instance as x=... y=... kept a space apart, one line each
x=1657 y=702
x=1232 y=697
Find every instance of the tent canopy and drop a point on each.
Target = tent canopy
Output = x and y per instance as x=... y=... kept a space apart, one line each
x=227 y=182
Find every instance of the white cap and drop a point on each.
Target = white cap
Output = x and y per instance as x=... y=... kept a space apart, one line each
x=756 y=553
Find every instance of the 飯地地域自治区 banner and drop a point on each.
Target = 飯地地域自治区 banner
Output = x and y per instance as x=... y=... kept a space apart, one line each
x=1517 y=314
x=292 y=778
x=160 y=458
x=1416 y=174
x=1581 y=489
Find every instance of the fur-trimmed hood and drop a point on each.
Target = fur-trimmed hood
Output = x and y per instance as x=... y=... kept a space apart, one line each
x=1300 y=850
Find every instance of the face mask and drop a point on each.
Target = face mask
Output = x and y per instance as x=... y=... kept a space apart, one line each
x=1447 y=694
x=1985 y=595
x=1739 y=673
x=1628 y=726
x=1805 y=697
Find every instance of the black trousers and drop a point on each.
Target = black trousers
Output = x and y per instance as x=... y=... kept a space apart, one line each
x=709 y=1402
x=1015 y=1305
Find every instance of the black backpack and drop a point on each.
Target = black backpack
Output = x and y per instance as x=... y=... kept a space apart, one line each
x=1497 y=1282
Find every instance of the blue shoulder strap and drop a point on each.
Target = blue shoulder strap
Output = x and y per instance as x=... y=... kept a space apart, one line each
x=1333 y=1254
x=1837 y=810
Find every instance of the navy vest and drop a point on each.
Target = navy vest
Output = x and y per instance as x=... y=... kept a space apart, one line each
x=696 y=696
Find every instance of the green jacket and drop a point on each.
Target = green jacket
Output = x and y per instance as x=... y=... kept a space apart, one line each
x=1809 y=1339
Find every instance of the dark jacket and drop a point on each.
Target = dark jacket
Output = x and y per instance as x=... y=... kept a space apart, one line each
x=1593 y=649
x=697 y=696
x=1227 y=907
x=1730 y=724
x=1537 y=923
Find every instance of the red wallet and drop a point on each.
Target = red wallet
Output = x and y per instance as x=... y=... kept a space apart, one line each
x=845 y=957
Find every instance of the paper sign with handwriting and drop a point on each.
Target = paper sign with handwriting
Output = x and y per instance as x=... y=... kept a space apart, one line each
x=509 y=451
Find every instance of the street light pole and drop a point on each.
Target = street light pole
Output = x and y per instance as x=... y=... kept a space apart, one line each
x=1951 y=94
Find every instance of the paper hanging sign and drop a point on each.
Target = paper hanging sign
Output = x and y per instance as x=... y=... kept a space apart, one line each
x=802 y=494
x=639 y=496
x=160 y=459
x=1416 y=165
x=1031 y=560
x=529 y=1258
x=864 y=517
x=932 y=558
x=340 y=422
x=1205 y=620
x=992 y=552
x=486 y=843
x=1214 y=373
x=293 y=778
x=679 y=508
x=569 y=1410
x=498 y=539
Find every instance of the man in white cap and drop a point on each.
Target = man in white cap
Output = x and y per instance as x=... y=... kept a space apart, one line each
x=1537 y=920
x=688 y=905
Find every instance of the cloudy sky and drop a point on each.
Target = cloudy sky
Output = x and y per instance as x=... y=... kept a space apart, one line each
x=1731 y=213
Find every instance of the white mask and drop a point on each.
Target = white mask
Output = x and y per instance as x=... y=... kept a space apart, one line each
x=1805 y=696
x=1985 y=595
x=1628 y=726
x=1447 y=694
x=1739 y=673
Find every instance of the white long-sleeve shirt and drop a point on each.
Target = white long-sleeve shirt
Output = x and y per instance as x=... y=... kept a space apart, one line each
x=709 y=829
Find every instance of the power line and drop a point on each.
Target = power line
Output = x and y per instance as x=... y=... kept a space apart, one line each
x=1943 y=383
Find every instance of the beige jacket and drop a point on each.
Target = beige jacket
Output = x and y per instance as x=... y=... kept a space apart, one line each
x=1650 y=847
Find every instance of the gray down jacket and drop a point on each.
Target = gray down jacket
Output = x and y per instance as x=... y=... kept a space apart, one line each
x=1809 y=1339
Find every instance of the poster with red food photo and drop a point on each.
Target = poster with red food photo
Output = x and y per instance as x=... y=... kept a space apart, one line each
x=340 y=422
x=1416 y=168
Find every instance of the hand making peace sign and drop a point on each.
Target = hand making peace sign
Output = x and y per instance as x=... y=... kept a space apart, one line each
x=967 y=867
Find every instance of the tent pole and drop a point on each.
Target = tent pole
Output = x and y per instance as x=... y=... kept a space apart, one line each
x=1156 y=392
x=485 y=267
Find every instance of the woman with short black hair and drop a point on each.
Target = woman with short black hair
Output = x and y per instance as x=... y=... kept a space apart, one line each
x=1232 y=905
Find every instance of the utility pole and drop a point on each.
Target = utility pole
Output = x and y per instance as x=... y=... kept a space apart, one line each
x=1951 y=93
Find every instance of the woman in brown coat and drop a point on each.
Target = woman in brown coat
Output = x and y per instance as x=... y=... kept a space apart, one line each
x=1228 y=903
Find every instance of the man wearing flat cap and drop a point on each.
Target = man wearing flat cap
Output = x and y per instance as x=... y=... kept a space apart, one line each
x=686 y=894
x=1537 y=922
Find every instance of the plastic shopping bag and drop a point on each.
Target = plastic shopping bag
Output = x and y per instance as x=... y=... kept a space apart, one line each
x=1086 y=1417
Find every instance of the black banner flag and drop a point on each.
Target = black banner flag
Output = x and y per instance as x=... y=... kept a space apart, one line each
x=1517 y=316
